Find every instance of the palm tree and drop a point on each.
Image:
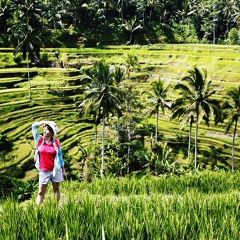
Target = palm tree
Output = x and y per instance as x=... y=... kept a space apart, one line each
x=131 y=63
x=157 y=96
x=29 y=45
x=151 y=4
x=104 y=96
x=5 y=8
x=86 y=107
x=25 y=15
x=119 y=73
x=196 y=101
x=131 y=26
x=232 y=110
x=120 y=8
x=228 y=13
x=236 y=13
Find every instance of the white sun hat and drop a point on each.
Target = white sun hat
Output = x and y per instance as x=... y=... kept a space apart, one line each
x=53 y=126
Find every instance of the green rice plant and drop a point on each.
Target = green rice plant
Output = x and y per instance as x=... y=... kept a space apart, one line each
x=196 y=206
x=8 y=231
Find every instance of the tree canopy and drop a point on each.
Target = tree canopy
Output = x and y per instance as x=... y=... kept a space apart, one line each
x=123 y=21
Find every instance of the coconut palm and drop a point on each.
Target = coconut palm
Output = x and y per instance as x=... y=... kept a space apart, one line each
x=86 y=107
x=232 y=110
x=132 y=26
x=24 y=38
x=103 y=96
x=228 y=13
x=5 y=8
x=131 y=63
x=119 y=73
x=157 y=97
x=195 y=102
x=151 y=4
x=29 y=44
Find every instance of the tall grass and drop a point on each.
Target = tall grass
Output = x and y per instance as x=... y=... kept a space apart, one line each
x=206 y=182
x=198 y=206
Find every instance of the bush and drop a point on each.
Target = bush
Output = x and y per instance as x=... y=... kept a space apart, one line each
x=44 y=56
x=234 y=36
x=5 y=60
x=19 y=190
x=18 y=58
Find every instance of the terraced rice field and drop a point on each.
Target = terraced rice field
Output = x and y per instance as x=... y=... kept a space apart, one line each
x=55 y=92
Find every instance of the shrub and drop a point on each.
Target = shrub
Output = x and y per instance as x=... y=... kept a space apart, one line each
x=5 y=60
x=234 y=36
x=18 y=58
x=44 y=56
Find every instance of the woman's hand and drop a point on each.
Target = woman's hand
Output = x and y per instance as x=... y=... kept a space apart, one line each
x=64 y=173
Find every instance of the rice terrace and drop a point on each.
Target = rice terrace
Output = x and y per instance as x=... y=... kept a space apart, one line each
x=137 y=175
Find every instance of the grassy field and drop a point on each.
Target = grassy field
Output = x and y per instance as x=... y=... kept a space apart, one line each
x=197 y=206
x=55 y=92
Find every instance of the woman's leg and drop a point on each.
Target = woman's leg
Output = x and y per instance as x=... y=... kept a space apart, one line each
x=41 y=193
x=56 y=190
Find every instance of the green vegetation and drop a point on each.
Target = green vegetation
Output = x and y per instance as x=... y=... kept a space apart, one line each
x=129 y=142
x=196 y=206
x=178 y=202
x=95 y=23
x=129 y=100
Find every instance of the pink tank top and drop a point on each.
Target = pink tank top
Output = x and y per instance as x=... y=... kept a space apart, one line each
x=47 y=156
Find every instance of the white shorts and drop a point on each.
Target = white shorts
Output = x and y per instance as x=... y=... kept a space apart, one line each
x=47 y=177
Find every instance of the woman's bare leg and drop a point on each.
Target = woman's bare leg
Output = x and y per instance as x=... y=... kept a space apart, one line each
x=56 y=190
x=41 y=193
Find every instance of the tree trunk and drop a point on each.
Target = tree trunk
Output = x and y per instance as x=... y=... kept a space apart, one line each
x=131 y=36
x=150 y=15
x=103 y=138
x=233 y=143
x=190 y=137
x=156 y=129
x=95 y=140
x=214 y=28
x=29 y=81
x=122 y=12
x=214 y=35
x=128 y=149
x=129 y=135
x=143 y=22
x=196 y=143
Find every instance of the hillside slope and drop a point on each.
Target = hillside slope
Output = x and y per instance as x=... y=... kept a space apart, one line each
x=56 y=89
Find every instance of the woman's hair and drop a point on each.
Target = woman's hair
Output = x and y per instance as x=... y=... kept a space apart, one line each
x=50 y=129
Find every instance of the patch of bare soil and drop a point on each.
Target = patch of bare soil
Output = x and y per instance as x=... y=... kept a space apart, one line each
x=220 y=135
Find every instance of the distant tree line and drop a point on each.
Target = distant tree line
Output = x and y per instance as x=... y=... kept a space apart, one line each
x=90 y=23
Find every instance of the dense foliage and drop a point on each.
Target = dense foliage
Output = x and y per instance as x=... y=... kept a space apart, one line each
x=197 y=206
x=90 y=23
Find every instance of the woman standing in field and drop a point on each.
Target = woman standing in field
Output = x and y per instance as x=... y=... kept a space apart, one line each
x=48 y=159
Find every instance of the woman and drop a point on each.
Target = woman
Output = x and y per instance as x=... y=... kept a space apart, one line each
x=48 y=159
